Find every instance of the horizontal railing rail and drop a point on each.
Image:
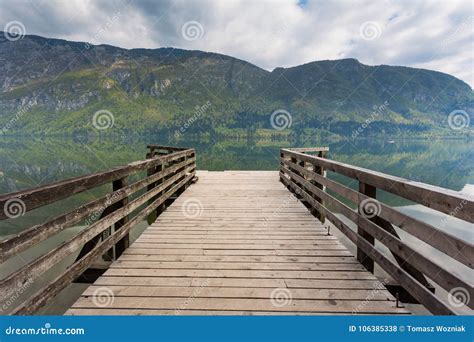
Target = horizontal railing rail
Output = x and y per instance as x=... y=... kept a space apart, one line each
x=167 y=175
x=304 y=174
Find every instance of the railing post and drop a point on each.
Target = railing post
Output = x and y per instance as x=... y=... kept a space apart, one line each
x=294 y=161
x=320 y=171
x=404 y=264
x=123 y=243
x=181 y=190
x=193 y=155
x=363 y=258
x=282 y=158
x=109 y=255
x=152 y=217
x=302 y=164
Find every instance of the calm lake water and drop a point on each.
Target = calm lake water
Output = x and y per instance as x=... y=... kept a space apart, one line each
x=29 y=162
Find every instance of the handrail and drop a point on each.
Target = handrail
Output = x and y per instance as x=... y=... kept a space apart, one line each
x=309 y=149
x=167 y=148
x=431 y=196
x=47 y=194
x=374 y=220
x=167 y=175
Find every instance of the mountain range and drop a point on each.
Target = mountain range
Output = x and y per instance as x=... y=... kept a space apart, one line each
x=54 y=86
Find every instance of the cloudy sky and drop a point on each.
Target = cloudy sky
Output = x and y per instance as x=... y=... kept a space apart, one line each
x=437 y=35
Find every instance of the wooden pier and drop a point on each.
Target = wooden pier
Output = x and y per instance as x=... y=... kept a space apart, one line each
x=242 y=242
x=224 y=246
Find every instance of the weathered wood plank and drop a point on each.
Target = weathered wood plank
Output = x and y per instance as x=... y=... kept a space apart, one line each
x=244 y=252
x=330 y=244
x=232 y=240
x=143 y=312
x=290 y=266
x=287 y=274
x=210 y=291
x=239 y=282
x=248 y=304
x=237 y=238
x=263 y=259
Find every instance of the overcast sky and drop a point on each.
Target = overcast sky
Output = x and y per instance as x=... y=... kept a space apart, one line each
x=436 y=35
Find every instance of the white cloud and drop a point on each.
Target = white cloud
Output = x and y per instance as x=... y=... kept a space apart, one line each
x=428 y=34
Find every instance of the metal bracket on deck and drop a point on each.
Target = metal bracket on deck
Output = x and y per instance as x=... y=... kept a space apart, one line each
x=93 y=272
x=403 y=295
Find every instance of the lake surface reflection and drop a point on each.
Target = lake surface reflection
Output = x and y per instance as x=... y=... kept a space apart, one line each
x=30 y=162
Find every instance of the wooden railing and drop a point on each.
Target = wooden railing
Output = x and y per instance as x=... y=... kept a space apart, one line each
x=303 y=174
x=169 y=171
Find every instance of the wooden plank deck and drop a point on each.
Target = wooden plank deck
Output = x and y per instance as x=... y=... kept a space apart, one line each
x=236 y=242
